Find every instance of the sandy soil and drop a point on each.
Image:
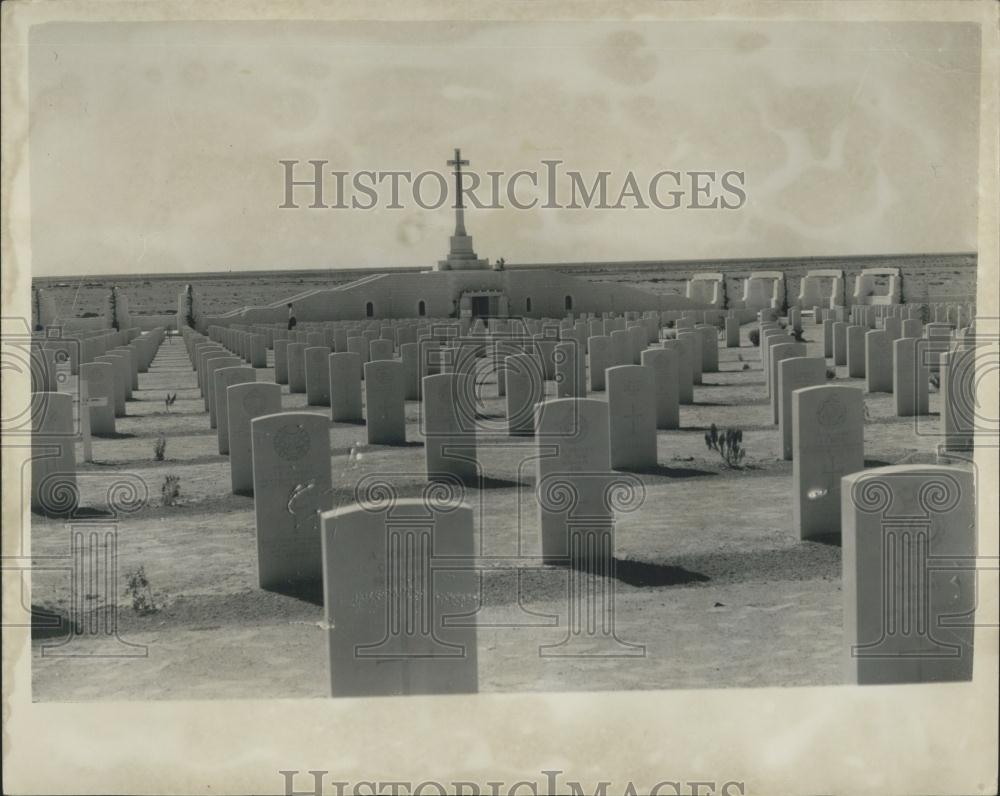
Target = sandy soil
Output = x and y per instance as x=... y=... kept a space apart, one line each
x=712 y=580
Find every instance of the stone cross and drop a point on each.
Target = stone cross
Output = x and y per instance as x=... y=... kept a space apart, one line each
x=459 y=207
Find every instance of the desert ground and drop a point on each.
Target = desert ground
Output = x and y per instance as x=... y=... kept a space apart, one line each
x=711 y=577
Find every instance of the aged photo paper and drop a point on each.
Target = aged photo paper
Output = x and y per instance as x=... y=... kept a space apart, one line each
x=500 y=398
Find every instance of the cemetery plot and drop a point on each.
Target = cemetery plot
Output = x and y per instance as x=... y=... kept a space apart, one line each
x=699 y=567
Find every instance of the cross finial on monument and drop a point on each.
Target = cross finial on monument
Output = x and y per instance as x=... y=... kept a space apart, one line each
x=459 y=207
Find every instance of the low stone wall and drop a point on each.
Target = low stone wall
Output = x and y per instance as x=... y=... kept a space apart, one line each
x=925 y=277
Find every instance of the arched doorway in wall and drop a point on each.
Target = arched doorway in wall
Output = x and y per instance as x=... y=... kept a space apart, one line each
x=369 y=310
x=527 y=304
x=569 y=303
x=421 y=308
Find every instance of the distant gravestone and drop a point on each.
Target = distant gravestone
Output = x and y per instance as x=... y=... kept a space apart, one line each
x=685 y=382
x=122 y=358
x=959 y=410
x=291 y=482
x=570 y=365
x=878 y=361
x=385 y=406
x=546 y=348
x=839 y=343
x=637 y=341
x=776 y=354
x=386 y=604
x=449 y=428
x=361 y=346
x=664 y=364
x=856 y=352
x=827 y=444
x=258 y=351
x=709 y=348
x=54 y=489
x=599 y=348
x=900 y=610
x=525 y=387
x=244 y=402
x=795 y=373
x=912 y=327
x=345 y=387
x=118 y=379
x=620 y=351
x=101 y=400
x=380 y=349
x=296 y=367
x=281 y=361
x=225 y=378
x=409 y=356
x=213 y=366
x=317 y=367
x=910 y=377
x=631 y=417
x=828 y=338
x=693 y=341
x=732 y=333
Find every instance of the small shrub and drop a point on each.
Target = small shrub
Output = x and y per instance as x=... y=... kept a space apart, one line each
x=137 y=587
x=169 y=400
x=728 y=444
x=755 y=336
x=160 y=449
x=171 y=490
x=798 y=336
x=669 y=324
x=831 y=373
x=746 y=366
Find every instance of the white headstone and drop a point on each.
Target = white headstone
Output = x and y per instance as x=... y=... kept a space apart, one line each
x=776 y=353
x=576 y=431
x=525 y=387
x=296 y=367
x=664 y=364
x=795 y=373
x=317 y=372
x=244 y=402
x=599 y=351
x=910 y=376
x=907 y=620
x=856 y=352
x=54 y=489
x=345 y=387
x=385 y=406
x=827 y=444
x=101 y=400
x=387 y=606
x=449 y=427
x=224 y=379
x=631 y=417
x=291 y=482
x=878 y=361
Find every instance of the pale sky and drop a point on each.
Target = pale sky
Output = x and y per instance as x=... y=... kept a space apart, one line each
x=155 y=147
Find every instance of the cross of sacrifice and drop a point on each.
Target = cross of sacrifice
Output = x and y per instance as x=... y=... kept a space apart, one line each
x=459 y=207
